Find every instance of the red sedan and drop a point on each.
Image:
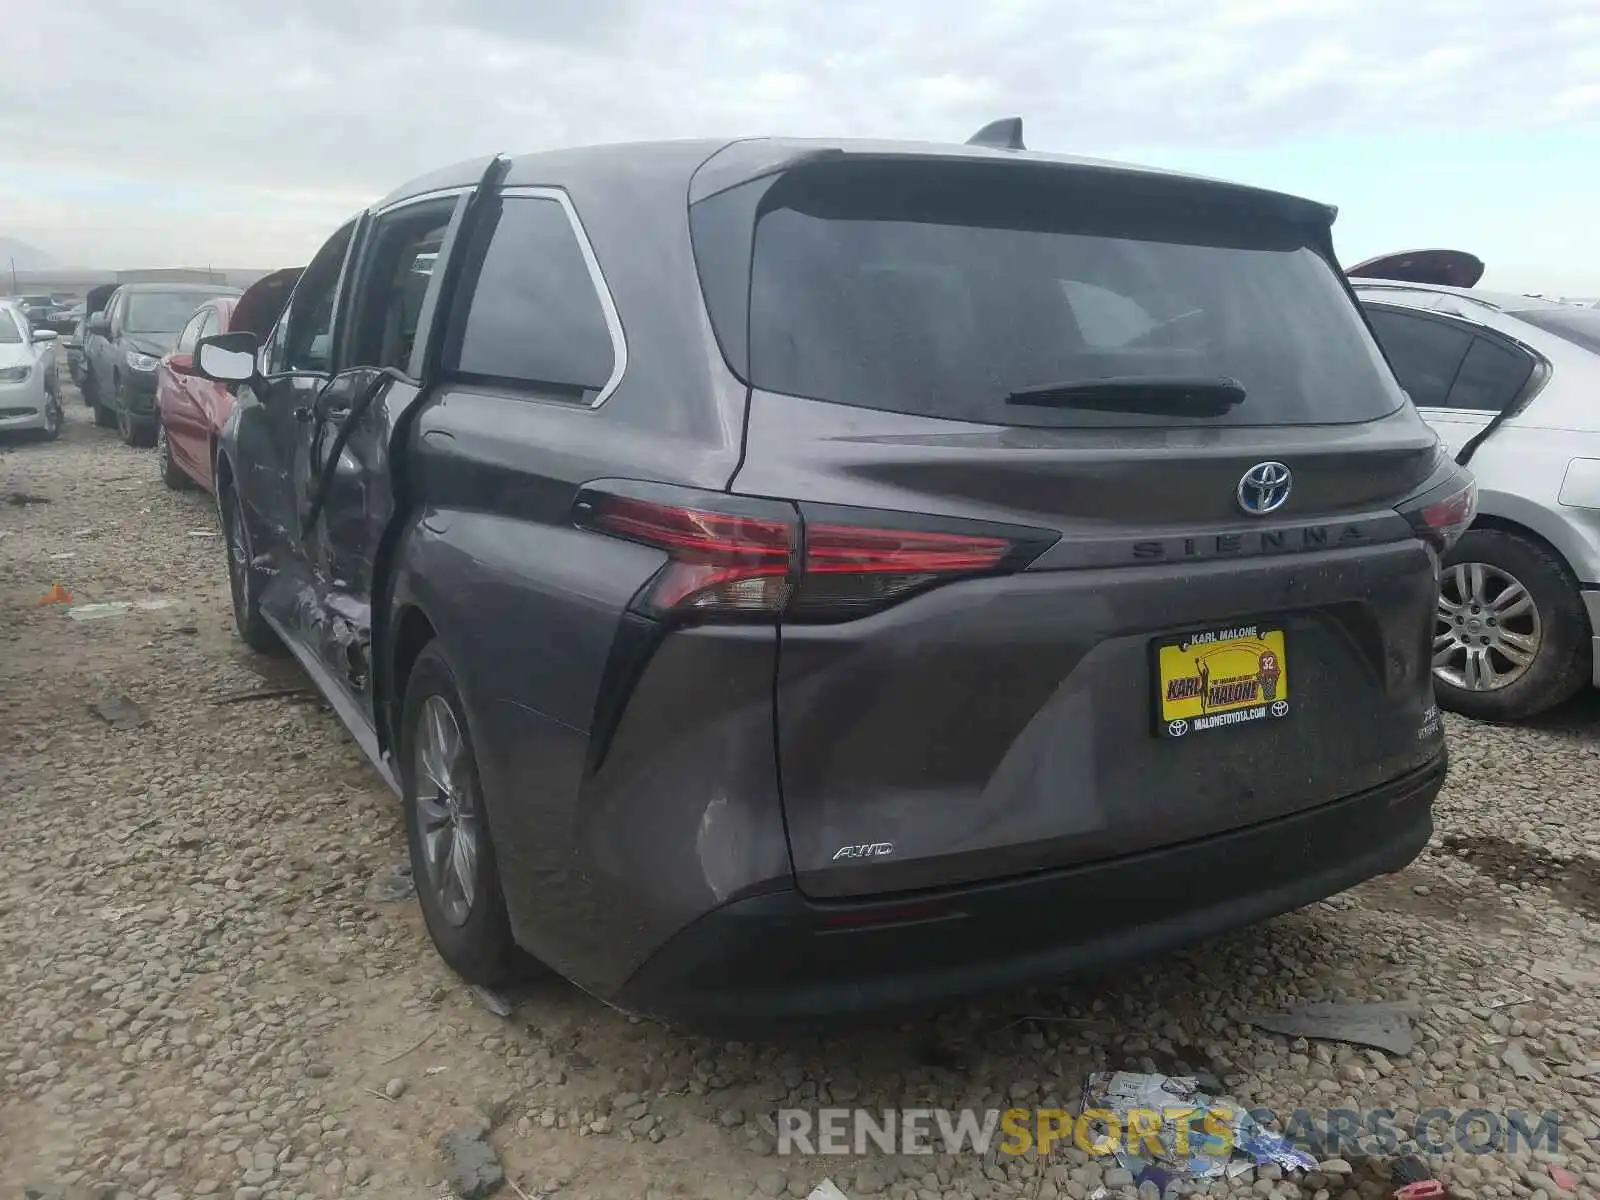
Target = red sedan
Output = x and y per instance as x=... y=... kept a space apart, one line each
x=191 y=410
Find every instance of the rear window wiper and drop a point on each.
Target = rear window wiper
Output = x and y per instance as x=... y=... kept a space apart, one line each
x=1157 y=394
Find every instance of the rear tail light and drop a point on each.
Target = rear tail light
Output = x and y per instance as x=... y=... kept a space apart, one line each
x=732 y=556
x=1442 y=519
x=716 y=561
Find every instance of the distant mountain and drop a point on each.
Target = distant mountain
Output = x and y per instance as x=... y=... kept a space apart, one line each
x=24 y=256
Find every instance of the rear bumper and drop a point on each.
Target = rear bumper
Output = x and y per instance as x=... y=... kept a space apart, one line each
x=777 y=957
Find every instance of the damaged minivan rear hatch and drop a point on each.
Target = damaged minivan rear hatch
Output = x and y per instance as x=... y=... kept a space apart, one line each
x=1098 y=476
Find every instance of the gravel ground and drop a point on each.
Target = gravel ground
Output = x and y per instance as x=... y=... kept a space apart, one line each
x=214 y=984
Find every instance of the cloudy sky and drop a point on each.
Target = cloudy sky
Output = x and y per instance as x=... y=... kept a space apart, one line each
x=185 y=132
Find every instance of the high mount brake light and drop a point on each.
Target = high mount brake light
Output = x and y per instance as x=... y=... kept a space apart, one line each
x=1442 y=522
x=736 y=556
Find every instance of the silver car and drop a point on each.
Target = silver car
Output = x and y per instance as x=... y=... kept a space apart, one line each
x=1512 y=385
x=30 y=385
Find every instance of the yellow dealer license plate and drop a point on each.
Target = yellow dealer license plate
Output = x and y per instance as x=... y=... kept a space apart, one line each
x=1217 y=678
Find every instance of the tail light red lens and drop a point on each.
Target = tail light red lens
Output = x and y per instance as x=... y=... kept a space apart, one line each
x=717 y=561
x=734 y=555
x=1443 y=521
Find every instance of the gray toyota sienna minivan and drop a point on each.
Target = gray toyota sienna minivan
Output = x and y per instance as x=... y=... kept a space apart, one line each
x=793 y=577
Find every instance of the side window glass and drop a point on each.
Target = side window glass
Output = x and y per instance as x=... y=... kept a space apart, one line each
x=192 y=332
x=1490 y=377
x=305 y=335
x=394 y=283
x=1426 y=353
x=532 y=315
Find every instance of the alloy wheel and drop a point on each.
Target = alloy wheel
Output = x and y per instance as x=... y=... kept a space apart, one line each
x=54 y=418
x=1488 y=631
x=448 y=812
x=163 y=453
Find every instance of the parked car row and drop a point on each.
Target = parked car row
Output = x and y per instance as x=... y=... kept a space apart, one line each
x=123 y=345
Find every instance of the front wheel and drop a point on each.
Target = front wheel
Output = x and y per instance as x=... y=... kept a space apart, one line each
x=447 y=829
x=103 y=416
x=133 y=430
x=245 y=578
x=1511 y=638
x=171 y=473
x=55 y=419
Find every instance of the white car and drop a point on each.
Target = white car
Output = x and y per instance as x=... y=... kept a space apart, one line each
x=30 y=384
x=1510 y=384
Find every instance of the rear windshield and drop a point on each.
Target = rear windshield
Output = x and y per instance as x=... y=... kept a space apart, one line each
x=941 y=290
x=1580 y=326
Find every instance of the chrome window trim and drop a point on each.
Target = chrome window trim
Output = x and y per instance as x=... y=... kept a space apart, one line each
x=608 y=306
x=421 y=198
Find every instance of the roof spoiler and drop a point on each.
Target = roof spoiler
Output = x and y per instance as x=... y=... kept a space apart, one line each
x=1446 y=268
x=1004 y=134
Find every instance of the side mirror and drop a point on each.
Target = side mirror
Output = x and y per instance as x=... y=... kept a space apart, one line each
x=180 y=364
x=96 y=324
x=226 y=357
x=44 y=335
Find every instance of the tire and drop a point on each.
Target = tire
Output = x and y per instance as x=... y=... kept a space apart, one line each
x=469 y=925
x=103 y=416
x=245 y=579
x=135 y=431
x=171 y=473
x=1509 y=602
x=55 y=418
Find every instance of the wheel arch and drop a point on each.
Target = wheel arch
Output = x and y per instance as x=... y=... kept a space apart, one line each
x=413 y=629
x=1509 y=525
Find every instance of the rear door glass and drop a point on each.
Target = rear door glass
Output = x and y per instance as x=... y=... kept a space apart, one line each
x=941 y=290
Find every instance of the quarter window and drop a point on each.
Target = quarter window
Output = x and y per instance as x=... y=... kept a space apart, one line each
x=1491 y=376
x=533 y=316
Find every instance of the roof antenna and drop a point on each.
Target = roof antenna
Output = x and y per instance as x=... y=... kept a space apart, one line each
x=1004 y=134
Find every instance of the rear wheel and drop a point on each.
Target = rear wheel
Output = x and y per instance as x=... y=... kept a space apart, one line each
x=245 y=579
x=447 y=829
x=1511 y=638
x=171 y=474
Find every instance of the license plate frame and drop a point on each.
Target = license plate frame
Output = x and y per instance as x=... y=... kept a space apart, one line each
x=1250 y=659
